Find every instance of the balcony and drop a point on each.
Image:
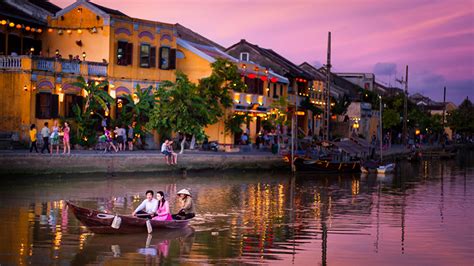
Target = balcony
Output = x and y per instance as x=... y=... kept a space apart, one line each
x=49 y=64
x=10 y=62
x=248 y=99
x=295 y=98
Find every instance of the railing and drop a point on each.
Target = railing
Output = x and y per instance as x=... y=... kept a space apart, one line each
x=10 y=62
x=44 y=64
x=97 y=69
x=247 y=99
x=71 y=67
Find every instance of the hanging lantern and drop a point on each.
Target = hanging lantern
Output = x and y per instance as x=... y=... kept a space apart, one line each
x=50 y=30
x=264 y=78
x=3 y=22
x=11 y=24
x=273 y=79
x=69 y=31
x=18 y=26
x=39 y=30
x=27 y=28
x=79 y=31
x=33 y=29
x=251 y=75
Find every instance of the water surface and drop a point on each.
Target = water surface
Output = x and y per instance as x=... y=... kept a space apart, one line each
x=420 y=216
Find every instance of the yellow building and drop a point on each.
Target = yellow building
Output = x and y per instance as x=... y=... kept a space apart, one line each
x=83 y=39
x=262 y=85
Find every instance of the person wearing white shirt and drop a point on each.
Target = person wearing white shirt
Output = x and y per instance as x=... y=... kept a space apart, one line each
x=150 y=205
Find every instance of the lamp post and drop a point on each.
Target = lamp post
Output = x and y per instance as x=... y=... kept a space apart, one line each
x=83 y=56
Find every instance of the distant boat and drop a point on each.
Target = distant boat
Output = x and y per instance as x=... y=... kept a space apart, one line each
x=101 y=222
x=326 y=166
x=369 y=167
x=385 y=169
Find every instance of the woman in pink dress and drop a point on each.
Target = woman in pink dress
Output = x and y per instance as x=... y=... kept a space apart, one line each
x=66 y=139
x=163 y=211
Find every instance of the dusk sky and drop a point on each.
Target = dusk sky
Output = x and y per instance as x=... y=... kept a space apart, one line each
x=434 y=37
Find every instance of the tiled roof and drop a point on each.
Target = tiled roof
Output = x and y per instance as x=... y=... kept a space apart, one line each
x=212 y=51
x=46 y=5
x=18 y=16
x=109 y=10
x=194 y=37
x=291 y=69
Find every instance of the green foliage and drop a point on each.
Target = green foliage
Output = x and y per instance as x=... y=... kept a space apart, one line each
x=390 y=118
x=340 y=107
x=370 y=97
x=180 y=108
x=233 y=123
x=461 y=120
x=138 y=109
x=86 y=119
x=279 y=108
x=215 y=89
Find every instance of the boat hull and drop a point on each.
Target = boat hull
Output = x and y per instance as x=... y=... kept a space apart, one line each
x=326 y=167
x=100 y=222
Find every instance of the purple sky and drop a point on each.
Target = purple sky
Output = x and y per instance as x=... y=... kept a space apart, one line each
x=434 y=37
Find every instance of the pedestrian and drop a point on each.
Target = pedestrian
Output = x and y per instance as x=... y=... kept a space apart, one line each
x=118 y=138
x=66 y=138
x=33 y=138
x=54 y=138
x=108 y=140
x=123 y=133
x=45 y=134
x=130 y=135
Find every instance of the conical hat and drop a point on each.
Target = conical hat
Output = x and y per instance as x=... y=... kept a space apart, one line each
x=184 y=191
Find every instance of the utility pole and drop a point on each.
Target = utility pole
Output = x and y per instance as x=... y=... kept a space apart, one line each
x=327 y=108
x=381 y=130
x=444 y=107
x=405 y=111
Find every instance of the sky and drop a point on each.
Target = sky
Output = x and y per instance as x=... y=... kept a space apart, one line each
x=435 y=38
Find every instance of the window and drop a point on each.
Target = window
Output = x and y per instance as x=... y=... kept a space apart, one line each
x=71 y=100
x=167 y=58
x=124 y=53
x=144 y=55
x=275 y=94
x=244 y=56
x=47 y=105
x=254 y=85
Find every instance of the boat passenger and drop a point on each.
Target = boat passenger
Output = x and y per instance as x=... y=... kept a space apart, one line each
x=186 y=206
x=150 y=205
x=163 y=211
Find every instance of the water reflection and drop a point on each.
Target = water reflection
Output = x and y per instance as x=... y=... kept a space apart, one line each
x=252 y=218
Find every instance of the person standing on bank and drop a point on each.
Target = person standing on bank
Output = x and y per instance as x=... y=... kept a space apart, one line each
x=185 y=202
x=130 y=136
x=150 y=204
x=45 y=134
x=66 y=139
x=55 y=138
x=33 y=138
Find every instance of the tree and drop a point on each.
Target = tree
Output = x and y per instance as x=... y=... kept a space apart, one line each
x=179 y=108
x=461 y=120
x=138 y=108
x=340 y=107
x=97 y=100
x=390 y=118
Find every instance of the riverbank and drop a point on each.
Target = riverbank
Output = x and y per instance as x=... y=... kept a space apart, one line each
x=13 y=162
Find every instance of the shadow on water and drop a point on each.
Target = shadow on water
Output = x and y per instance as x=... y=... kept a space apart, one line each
x=251 y=218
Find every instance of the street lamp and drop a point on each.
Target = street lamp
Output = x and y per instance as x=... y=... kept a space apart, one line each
x=83 y=56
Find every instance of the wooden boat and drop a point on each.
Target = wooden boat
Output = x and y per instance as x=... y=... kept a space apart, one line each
x=101 y=222
x=326 y=166
x=369 y=167
x=439 y=154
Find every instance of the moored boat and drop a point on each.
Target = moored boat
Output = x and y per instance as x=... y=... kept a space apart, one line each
x=101 y=222
x=385 y=169
x=327 y=166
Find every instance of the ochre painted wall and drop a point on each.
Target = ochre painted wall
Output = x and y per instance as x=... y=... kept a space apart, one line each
x=194 y=66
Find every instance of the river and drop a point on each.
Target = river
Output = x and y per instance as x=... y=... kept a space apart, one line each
x=422 y=215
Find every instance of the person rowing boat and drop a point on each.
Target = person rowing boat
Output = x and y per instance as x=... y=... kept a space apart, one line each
x=186 y=205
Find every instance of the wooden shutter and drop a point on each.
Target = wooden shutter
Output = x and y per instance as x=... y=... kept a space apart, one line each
x=172 y=58
x=54 y=106
x=38 y=106
x=153 y=56
x=129 y=54
x=160 y=58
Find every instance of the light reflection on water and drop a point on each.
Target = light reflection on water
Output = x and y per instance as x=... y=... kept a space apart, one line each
x=422 y=215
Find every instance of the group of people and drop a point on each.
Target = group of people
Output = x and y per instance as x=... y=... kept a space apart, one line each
x=158 y=208
x=171 y=157
x=51 y=138
x=120 y=138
